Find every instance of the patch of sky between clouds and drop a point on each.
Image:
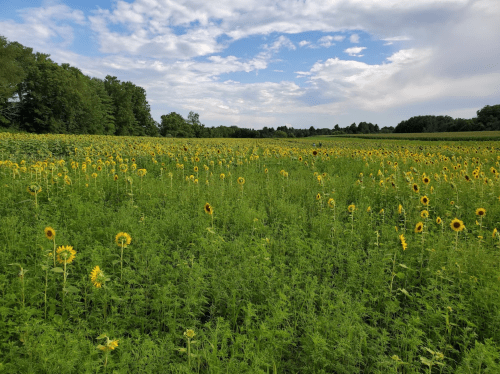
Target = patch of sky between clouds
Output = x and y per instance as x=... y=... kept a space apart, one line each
x=283 y=64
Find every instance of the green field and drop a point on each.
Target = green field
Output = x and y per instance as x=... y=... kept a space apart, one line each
x=435 y=136
x=248 y=256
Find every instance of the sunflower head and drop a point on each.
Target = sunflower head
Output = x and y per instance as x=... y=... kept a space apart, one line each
x=50 y=233
x=400 y=209
x=34 y=189
x=424 y=214
x=480 y=212
x=425 y=180
x=65 y=253
x=331 y=202
x=241 y=181
x=97 y=277
x=208 y=208
x=424 y=200
x=419 y=227
x=415 y=187
x=122 y=238
x=318 y=196
x=189 y=333
x=439 y=220
x=351 y=208
x=457 y=225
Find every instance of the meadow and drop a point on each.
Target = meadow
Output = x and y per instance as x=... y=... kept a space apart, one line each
x=149 y=255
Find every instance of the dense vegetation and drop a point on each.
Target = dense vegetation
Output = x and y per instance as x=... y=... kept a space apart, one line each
x=39 y=96
x=248 y=256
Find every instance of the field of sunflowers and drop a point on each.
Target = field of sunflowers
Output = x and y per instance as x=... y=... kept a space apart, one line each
x=149 y=255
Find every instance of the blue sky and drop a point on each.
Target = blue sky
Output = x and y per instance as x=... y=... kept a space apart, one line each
x=300 y=63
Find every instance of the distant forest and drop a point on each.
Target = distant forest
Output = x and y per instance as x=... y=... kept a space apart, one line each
x=39 y=96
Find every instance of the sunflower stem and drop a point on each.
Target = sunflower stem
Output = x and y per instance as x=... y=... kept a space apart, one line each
x=121 y=263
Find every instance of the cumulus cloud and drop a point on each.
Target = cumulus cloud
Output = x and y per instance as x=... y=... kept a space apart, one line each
x=354 y=51
x=441 y=50
x=41 y=25
x=354 y=38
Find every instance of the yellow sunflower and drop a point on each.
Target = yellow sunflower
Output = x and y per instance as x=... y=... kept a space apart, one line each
x=50 y=233
x=480 y=212
x=351 y=208
x=426 y=180
x=241 y=181
x=419 y=227
x=318 y=196
x=400 y=209
x=208 y=208
x=65 y=253
x=424 y=200
x=122 y=238
x=424 y=214
x=438 y=220
x=403 y=242
x=457 y=225
x=34 y=189
x=331 y=202
x=97 y=277
x=415 y=187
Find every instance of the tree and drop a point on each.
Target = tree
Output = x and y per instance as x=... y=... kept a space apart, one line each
x=175 y=125
x=11 y=75
x=489 y=117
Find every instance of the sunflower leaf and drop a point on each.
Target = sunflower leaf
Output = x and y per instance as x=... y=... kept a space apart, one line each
x=58 y=270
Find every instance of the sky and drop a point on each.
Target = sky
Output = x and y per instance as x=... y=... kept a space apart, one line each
x=295 y=63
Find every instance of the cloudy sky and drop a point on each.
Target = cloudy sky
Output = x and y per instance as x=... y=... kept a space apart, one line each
x=300 y=63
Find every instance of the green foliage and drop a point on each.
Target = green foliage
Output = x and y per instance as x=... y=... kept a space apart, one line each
x=278 y=279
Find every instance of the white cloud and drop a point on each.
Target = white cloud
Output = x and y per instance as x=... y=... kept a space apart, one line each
x=40 y=25
x=354 y=51
x=175 y=49
x=326 y=41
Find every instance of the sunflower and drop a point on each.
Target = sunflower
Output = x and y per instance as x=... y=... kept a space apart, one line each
x=122 y=238
x=195 y=169
x=425 y=180
x=403 y=242
x=189 y=333
x=115 y=177
x=318 y=196
x=424 y=214
x=97 y=277
x=415 y=187
x=351 y=208
x=424 y=200
x=400 y=209
x=457 y=225
x=141 y=172
x=495 y=231
x=314 y=153
x=480 y=212
x=438 y=220
x=34 y=189
x=331 y=202
x=369 y=209
x=50 y=233
x=241 y=181
x=419 y=227
x=208 y=208
x=65 y=253
x=109 y=346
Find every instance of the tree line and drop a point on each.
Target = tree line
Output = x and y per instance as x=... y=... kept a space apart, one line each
x=38 y=95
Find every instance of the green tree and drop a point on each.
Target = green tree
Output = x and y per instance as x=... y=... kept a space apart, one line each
x=11 y=75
